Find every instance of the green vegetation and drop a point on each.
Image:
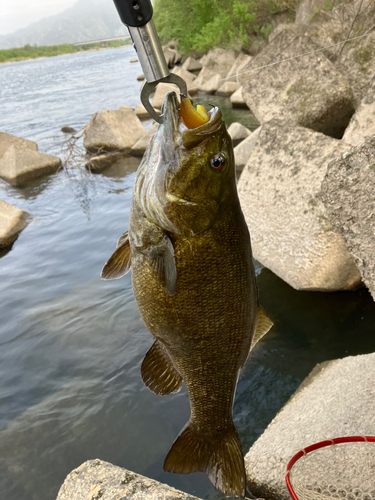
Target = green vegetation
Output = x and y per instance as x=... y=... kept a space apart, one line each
x=33 y=52
x=203 y=24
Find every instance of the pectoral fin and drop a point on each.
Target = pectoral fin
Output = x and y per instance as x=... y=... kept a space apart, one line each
x=158 y=373
x=162 y=259
x=119 y=262
x=263 y=325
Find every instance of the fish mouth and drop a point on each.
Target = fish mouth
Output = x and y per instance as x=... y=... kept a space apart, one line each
x=176 y=132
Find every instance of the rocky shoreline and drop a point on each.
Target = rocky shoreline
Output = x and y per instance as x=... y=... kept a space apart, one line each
x=306 y=182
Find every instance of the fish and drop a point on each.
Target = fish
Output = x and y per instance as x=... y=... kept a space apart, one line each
x=188 y=247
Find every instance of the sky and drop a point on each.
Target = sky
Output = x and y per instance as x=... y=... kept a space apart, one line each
x=17 y=14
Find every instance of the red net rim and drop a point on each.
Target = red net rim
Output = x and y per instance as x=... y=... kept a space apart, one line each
x=316 y=446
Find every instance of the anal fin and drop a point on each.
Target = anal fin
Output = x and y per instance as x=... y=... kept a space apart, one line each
x=158 y=373
x=263 y=325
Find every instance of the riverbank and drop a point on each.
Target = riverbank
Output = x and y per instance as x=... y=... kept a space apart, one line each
x=35 y=52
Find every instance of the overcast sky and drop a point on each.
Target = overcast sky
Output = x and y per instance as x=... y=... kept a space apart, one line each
x=16 y=14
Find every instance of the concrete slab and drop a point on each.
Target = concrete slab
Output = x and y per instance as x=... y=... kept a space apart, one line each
x=97 y=479
x=12 y=222
x=20 y=165
x=337 y=399
x=7 y=140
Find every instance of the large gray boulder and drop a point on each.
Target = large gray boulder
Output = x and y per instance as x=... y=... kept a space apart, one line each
x=7 y=140
x=306 y=91
x=21 y=165
x=335 y=400
x=96 y=479
x=191 y=64
x=219 y=61
x=279 y=190
x=362 y=124
x=113 y=130
x=12 y=222
x=348 y=195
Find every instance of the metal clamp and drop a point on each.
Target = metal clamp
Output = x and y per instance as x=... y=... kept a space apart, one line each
x=148 y=88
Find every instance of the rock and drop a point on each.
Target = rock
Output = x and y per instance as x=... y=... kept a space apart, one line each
x=238 y=132
x=306 y=9
x=140 y=146
x=336 y=399
x=188 y=77
x=243 y=150
x=348 y=195
x=237 y=99
x=307 y=91
x=362 y=124
x=279 y=190
x=357 y=63
x=204 y=76
x=296 y=29
x=160 y=92
x=68 y=130
x=114 y=164
x=191 y=64
x=183 y=73
x=96 y=479
x=238 y=64
x=133 y=60
x=141 y=77
x=171 y=56
x=326 y=31
x=113 y=130
x=12 y=222
x=212 y=85
x=142 y=113
x=7 y=140
x=227 y=89
x=219 y=61
x=20 y=165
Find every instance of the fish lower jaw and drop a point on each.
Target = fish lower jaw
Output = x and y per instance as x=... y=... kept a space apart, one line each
x=175 y=199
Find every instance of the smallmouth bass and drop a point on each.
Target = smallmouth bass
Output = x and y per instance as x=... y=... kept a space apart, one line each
x=188 y=247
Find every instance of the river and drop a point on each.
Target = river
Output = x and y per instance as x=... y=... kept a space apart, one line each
x=71 y=345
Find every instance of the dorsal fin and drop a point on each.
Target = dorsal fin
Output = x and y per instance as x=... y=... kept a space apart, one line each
x=119 y=262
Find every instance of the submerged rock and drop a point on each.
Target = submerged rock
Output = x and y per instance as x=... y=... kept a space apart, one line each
x=348 y=195
x=12 y=222
x=20 y=165
x=336 y=399
x=68 y=130
x=306 y=91
x=113 y=130
x=279 y=190
x=96 y=479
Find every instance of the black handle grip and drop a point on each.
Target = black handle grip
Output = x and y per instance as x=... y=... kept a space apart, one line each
x=134 y=13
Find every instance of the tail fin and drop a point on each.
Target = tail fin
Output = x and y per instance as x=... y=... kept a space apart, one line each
x=219 y=457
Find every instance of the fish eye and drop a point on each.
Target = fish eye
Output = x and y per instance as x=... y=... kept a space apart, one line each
x=217 y=163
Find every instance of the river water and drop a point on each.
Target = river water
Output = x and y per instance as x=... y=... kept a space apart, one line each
x=71 y=345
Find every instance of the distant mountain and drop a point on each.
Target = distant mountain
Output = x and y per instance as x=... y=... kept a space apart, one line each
x=86 y=20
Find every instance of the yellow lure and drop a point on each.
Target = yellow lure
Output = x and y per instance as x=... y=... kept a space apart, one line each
x=192 y=118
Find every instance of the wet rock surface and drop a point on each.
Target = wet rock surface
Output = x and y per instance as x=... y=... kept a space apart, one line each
x=348 y=195
x=279 y=190
x=12 y=222
x=337 y=399
x=96 y=479
x=307 y=91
